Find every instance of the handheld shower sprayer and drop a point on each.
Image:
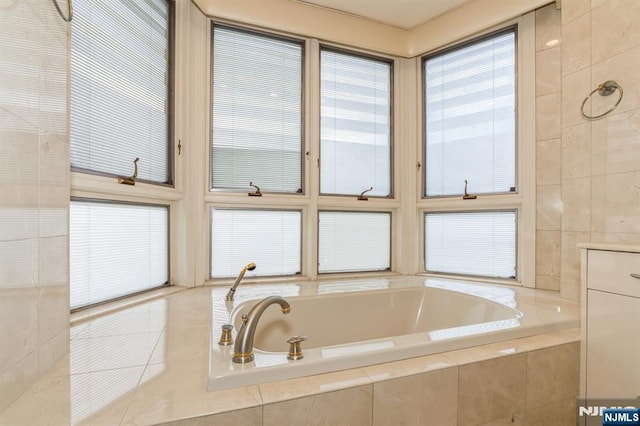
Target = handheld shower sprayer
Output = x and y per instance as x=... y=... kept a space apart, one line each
x=249 y=267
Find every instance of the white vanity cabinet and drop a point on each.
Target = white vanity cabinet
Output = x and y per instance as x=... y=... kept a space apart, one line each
x=610 y=350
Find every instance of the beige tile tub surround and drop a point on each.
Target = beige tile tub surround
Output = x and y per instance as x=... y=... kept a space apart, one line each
x=504 y=383
x=34 y=194
x=492 y=389
x=549 y=208
x=147 y=364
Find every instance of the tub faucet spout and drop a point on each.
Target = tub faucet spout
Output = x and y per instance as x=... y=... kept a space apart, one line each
x=243 y=349
x=250 y=267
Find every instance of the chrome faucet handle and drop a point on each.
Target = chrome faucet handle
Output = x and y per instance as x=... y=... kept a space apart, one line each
x=226 y=339
x=295 y=347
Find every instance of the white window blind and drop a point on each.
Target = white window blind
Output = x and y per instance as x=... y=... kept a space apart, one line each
x=257 y=111
x=119 y=88
x=355 y=124
x=116 y=250
x=471 y=243
x=269 y=238
x=354 y=241
x=470 y=117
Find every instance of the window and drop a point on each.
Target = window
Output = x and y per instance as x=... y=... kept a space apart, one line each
x=257 y=111
x=354 y=241
x=471 y=243
x=269 y=238
x=116 y=249
x=120 y=88
x=470 y=147
x=355 y=124
x=121 y=109
x=470 y=117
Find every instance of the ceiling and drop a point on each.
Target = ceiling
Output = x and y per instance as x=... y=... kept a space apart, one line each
x=399 y=13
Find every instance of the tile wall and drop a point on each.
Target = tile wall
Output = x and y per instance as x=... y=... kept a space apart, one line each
x=548 y=148
x=536 y=387
x=588 y=172
x=34 y=193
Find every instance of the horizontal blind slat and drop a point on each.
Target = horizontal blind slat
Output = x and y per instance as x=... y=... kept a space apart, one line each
x=354 y=241
x=355 y=124
x=470 y=113
x=269 y=238
x=256 y=111
x=119 y=88
x=115 y=250
x=475 y=243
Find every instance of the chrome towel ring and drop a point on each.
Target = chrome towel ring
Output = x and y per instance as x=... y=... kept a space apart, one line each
x=69 y=16
x=604 y=89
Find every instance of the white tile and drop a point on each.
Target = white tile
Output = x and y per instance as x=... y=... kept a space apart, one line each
x=548 y=71
x=312 y=385
x=53 y=312
x=549 y=162
x=549 y=207
x=614 y=143
x=17 y=379
x=548 y=27
x=51 y=351
x=548 y=116
x=173 y=391
x=616 y=29
x=53 y=261
x=407 y=367
x=19 y=319
x=576 y=201
x=576 y=151
x=616 y=203
x=548 y=253
x=576 y=47
x=573 y=9
x=105 y=353
x=18 y=223
x=19 y=266
x=182 y=344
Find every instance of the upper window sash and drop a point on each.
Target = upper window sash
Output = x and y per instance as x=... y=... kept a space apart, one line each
x=121 y=89
x=355 y=123
x=470 y=117
x=257 y=113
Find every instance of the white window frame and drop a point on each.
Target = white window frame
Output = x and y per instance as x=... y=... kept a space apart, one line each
x=523 y=202
x=466 y=275
x=269 y=35
x=391 y=63
x=126 y=248
x=105 y=188
x=310 y=201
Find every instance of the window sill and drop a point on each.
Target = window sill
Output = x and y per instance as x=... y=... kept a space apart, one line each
x=116 y=305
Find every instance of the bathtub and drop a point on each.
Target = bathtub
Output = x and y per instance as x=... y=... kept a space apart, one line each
x=356 y=323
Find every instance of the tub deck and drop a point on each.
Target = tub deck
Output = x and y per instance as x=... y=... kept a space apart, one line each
x=357 y=323
x=148 y=363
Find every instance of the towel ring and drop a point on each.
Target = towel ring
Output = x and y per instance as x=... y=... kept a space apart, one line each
x=69 y=16
x=604 y=89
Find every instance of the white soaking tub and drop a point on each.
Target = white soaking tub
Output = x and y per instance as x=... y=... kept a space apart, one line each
x=352 y=324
